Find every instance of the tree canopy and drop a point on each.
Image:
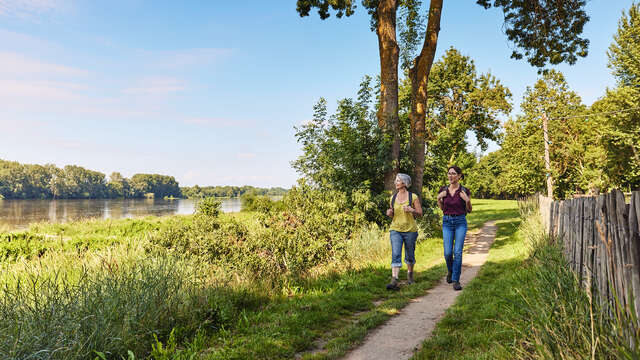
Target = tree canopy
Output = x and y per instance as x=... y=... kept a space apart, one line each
x=542 y=31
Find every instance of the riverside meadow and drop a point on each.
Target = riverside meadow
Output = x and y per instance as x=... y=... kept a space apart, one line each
x=336 y=107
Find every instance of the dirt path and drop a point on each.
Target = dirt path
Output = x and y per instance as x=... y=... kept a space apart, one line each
x=403 y=334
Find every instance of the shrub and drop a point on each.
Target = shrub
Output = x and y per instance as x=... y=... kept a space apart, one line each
x=311 y=229
x=259 y=203
x=209 y=207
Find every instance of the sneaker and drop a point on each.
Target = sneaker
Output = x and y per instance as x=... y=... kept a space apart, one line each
x=456 y=286
x=410 y=278
x=449 y=281
x=393 y=285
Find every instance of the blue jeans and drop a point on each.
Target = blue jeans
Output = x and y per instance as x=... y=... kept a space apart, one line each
x=454 y=227
x=409 y=240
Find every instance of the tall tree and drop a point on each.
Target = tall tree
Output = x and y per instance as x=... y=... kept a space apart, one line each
x=620 y=107
x=569 y=134
x=340 y=151
x=543 y=31
x=383 y=21
x=460 y=101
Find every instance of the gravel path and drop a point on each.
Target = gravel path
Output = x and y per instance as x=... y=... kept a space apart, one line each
x=403 y=334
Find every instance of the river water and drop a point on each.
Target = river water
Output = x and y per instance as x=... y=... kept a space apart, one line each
x=17 y=214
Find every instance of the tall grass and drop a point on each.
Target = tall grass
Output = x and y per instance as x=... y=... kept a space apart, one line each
x=119 y=307
x=563 y=321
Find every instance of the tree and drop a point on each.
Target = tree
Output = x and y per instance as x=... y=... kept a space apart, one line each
x=624 y=52
x=524 y=171
x=543 y=31
x=483 y=179
x=383 y=21
x=118 y=186
x=620 y=107
x=460 y=102
x=342 y=151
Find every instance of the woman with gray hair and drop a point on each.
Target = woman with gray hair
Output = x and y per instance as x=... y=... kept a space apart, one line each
x=403 y=229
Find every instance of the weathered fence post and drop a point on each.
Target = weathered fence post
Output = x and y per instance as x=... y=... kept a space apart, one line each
x=634 y=249
x=588 y=242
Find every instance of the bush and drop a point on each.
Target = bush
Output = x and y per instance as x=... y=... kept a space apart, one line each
x=209 y=207
x=259 y=203
x=312 y=228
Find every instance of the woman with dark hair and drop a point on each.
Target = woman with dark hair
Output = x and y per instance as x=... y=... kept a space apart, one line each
x=455 y=202
x=403 y=230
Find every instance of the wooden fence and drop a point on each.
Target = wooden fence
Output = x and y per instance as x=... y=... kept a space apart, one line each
x=601 y=241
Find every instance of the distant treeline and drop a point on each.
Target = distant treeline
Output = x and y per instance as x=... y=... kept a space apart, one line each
x=195 y=192
x=26 y=181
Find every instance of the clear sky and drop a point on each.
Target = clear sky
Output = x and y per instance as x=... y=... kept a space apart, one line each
x=209 y=91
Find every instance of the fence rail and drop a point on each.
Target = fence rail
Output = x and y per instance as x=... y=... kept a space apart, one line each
x=601 y=241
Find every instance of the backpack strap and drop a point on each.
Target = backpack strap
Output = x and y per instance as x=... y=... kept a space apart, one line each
x=393 y=199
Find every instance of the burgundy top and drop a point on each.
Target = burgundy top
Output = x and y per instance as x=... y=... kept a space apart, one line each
x=454 y=205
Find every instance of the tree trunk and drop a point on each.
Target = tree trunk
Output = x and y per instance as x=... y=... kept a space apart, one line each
x=388 y=111
x=547 y=161
x=419 y=75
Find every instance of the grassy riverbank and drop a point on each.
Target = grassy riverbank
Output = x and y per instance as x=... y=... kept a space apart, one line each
x=113 y=286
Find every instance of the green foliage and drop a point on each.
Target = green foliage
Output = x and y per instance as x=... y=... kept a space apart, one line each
x=618 y=138
x=619 y=133
x=259 y=203
x=209 y=207
x=484 y=178
x=346 y=150
x=159 y=185
x=25 y=181
x=544 y=31
x=559 y=319
x=412 y=30
x=460 y=101
x=589 y=153
x=312 y=228
x=75 y=238
x=624 y=52
x=196 y=192
x=523 y=170
x=343 y=151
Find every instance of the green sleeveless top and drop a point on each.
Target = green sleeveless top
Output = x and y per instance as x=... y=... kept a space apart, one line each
x=403 y=221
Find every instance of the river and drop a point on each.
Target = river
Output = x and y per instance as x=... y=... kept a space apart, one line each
x=17 y=214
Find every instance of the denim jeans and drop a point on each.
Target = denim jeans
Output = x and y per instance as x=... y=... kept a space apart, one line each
x=454 y=228
x=409 y=240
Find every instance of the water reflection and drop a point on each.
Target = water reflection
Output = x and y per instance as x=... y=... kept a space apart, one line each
x=17 y=214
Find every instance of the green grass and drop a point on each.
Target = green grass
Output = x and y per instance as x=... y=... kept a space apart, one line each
x=338 y=310
x=333 y=304
x=472 y=326
x=526 y=303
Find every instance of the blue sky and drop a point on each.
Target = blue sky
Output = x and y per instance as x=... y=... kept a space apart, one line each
x=209 y=91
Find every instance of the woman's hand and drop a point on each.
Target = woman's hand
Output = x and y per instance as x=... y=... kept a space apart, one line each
x=407 y=208
x=390 y=212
